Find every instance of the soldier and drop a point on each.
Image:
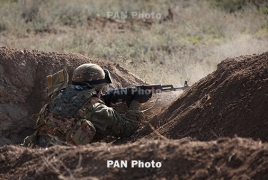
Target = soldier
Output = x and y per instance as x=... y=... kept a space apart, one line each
x=76 y=115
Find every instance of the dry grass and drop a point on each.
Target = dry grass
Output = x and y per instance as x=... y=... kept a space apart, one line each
x=187 y=48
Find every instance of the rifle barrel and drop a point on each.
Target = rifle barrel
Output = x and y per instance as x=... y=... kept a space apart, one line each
x=170 y=87
x=167 y=87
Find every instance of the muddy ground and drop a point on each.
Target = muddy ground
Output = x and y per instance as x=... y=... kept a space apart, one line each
x=216 y=129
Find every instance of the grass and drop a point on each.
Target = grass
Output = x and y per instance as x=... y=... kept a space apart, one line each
x=200 y=36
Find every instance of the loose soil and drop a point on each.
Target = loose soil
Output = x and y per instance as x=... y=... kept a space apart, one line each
x=215 y=129
x=231 y=101
x=224 y=158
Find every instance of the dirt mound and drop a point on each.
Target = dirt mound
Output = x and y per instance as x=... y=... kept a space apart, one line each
x=180 y=159
x=23 y=86
x=232 y=100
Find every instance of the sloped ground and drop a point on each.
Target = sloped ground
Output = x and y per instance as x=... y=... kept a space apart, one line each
x=233 y=100
x=181 y=159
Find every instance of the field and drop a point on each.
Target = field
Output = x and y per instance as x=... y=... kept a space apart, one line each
x=182 y=40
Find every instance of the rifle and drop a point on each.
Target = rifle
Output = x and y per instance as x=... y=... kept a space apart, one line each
x=143 y=91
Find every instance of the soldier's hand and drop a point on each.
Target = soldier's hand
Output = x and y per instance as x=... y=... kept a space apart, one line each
x=115 y=104
x=142 y=96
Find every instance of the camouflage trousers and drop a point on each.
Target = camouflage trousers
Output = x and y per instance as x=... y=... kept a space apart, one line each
x=43 y=140
x=47 y=141
x=81 y=133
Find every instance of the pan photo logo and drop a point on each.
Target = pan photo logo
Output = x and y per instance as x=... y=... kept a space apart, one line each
x=133 y=164
x=133 y=15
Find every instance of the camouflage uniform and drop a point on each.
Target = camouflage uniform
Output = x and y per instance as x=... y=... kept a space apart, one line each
x=76 y=115
x=98 y=120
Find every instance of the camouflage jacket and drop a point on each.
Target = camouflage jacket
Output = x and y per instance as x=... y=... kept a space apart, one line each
x=76 y=116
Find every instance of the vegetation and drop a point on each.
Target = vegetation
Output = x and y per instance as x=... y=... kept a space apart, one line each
x=189 y=46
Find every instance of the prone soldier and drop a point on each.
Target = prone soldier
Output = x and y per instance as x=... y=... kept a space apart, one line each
x=76 y=115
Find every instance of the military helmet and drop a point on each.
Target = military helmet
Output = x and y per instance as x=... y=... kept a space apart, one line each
x=91 y=74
